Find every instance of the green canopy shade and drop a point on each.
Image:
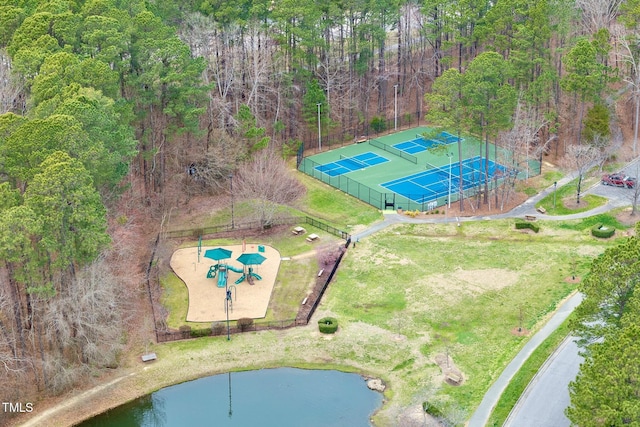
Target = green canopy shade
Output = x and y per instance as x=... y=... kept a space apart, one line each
x=217 y=253
x=251 y=259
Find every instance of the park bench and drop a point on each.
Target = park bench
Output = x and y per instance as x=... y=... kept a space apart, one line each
x=541 y=210
x=148 y=357
x=361 y=140
x=530 y=217
x=454 y=378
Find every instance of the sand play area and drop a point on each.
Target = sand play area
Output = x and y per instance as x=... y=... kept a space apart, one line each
x=207 y=299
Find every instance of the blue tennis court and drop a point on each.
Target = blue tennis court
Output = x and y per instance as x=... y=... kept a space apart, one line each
x=350 y=164
x=449 y=138
x=420 y=144
x=416 y=145
x=433 y=184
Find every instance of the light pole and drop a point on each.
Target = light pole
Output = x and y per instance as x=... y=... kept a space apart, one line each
x=395 y=108
x=319 y=130
x=450 y=156
x=226 y=302
x=231 y=190
x=555 y=184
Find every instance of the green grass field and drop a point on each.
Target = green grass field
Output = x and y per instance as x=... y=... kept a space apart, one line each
x=461 y=290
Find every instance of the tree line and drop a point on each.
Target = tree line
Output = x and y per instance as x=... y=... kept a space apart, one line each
x=103 y=97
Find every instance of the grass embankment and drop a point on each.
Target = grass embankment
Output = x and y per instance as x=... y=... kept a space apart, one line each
x=458 y=290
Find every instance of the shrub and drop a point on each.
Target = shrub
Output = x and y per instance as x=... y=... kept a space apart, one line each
x=328 y=325
x=602 y=231
x=201 y=332
x=378 y=124
x=245 y=323
x=217 y=328
x=431 y=409
x=525 y=224
x=186 y=330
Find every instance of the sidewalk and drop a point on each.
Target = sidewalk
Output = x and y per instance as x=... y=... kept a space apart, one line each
x=483 y=412
x=528 y=207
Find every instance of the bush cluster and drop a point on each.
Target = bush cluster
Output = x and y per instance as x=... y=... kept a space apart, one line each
x=245 y=323
x=200 y=332
x=412 y=214
x=526 y=224
x=602 y=231
x=217 y=328
x=186 y=330
x=328 y=325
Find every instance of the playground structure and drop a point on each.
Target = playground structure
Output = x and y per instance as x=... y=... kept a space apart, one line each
x=221 y=270
x=197 y=271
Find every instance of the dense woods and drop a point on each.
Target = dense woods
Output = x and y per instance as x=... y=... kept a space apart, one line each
x=105 y=100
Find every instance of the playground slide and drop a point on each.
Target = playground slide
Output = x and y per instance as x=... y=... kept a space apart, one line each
x=222 y=279
x=237 y=270
x=244 y=276
x=212 y=271
x=254 y=274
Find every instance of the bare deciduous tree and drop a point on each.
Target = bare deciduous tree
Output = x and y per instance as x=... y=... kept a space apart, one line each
x=267 y=184
x=598 y=14
x=523 y=144
x=582 y=158
x=634 y=193
x=11 y=90
x=86 y=322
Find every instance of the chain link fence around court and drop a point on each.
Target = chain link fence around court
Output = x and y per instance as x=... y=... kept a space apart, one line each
x=422 y=202
x=254 y=225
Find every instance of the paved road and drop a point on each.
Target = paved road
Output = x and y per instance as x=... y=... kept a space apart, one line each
x=546 y=397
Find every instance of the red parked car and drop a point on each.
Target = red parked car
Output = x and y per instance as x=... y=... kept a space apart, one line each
x=619 y=180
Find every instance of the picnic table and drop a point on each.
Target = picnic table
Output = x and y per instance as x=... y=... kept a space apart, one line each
x=298 y=230
x=312 y=237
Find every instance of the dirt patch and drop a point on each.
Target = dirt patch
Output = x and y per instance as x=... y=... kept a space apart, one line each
x=627 y=219
x=572 y=279
x=450 y=372
x=207 y=295
x=471 y=282
x=572 y=203
x=519 y=331
x=471 y=208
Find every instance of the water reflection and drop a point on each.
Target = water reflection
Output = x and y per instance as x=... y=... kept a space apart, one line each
x=270 y=397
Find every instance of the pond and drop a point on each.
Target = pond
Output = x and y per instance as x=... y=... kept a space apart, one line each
x=268 y=397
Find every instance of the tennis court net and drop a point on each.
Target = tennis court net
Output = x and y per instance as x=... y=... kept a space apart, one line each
x=439 y=170
x=357 y=163
x=393 y=150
